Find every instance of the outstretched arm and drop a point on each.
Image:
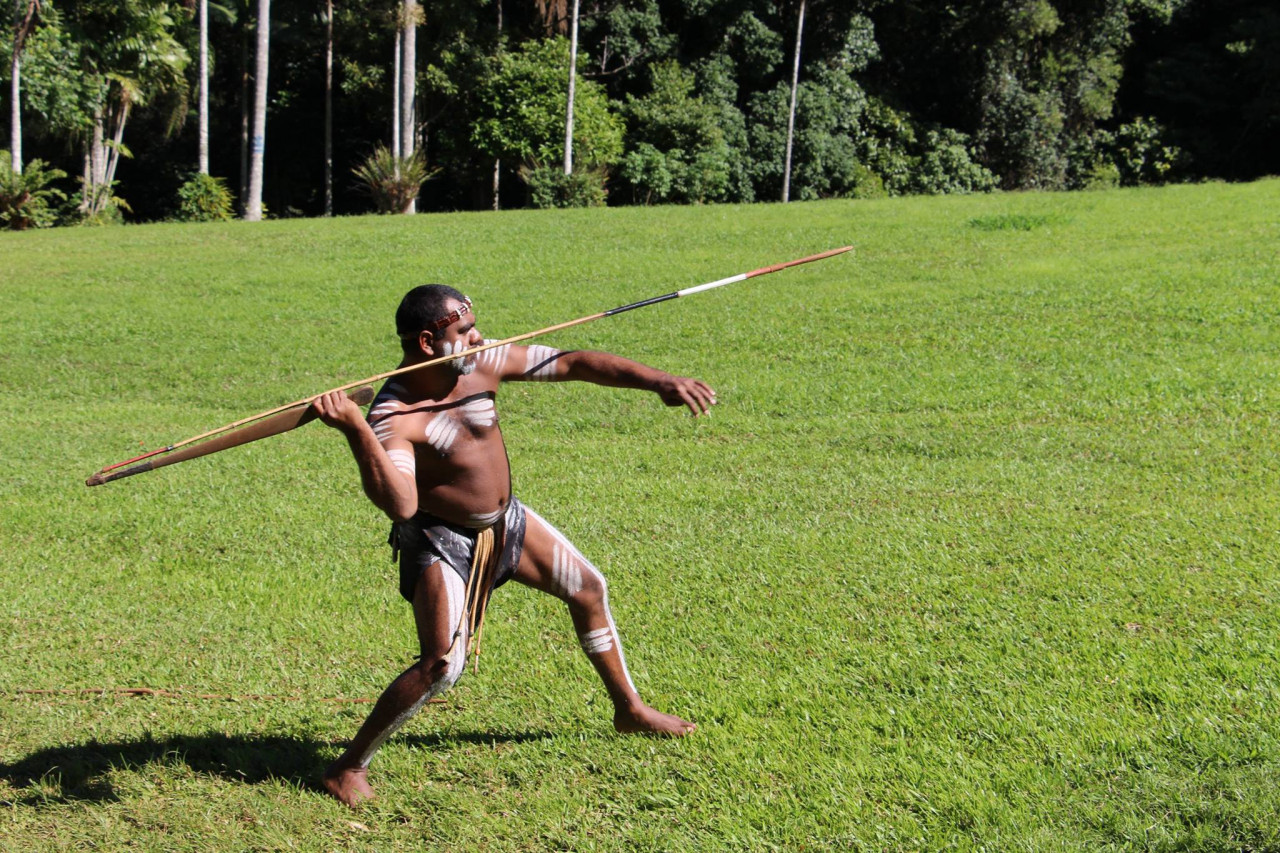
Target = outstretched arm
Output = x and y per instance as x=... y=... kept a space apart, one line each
x=387 y=473
x=602 y=368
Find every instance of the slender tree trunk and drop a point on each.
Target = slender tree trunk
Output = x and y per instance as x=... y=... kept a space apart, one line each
x=497 y=161
x=328 y=112
x=408 y=85
x=113 y=156
x=573 y=74
x=258 y=143
x=86 y=181
x=791 y=112
x=204 y=87
x=97 y=166
x=15 y=110
x=244 y=115
x=395 y=99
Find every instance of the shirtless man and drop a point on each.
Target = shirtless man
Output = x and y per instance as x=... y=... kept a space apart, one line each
x=431 y=457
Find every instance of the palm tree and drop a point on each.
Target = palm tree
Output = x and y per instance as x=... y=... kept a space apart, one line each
x=129 y=55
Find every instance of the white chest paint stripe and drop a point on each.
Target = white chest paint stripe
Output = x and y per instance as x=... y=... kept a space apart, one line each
x=441 y=432
x=541 y=363
x=480 y=413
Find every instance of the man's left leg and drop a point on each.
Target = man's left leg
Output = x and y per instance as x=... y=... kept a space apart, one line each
x=550 y=563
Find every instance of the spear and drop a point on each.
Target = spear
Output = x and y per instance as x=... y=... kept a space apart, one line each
x=295 y=414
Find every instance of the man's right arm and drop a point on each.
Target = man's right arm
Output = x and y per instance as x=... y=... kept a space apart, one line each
x=387 y=467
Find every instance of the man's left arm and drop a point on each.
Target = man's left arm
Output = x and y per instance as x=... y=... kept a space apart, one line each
x=614 y=371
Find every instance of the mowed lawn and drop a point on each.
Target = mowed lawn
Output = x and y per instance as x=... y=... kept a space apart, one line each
x=978 y=551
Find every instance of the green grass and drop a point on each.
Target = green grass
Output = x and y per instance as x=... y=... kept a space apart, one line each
x=979 y=549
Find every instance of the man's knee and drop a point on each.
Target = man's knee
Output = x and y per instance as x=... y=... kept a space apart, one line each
x=593 y=592
x=439 y=671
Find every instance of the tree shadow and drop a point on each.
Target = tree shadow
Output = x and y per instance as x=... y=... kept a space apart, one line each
x=82 y=772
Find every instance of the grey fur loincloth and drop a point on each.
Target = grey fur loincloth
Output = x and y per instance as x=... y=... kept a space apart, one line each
x=426 y=539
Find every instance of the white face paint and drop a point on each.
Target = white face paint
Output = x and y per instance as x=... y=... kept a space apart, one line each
x=462 y=366
x=441 y=431
x=541 y=363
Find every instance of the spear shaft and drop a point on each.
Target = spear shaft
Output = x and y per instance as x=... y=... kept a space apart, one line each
x=282 y=418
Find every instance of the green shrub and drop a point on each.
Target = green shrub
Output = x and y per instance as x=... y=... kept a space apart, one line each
x=204 y=198
x=26 y=199
x=550 y=187
x=393 y=182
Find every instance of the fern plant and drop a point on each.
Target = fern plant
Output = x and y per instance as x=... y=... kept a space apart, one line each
x=393 y=182
x=26 y=199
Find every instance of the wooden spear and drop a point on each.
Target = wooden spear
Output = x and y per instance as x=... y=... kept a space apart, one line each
x=295 y=414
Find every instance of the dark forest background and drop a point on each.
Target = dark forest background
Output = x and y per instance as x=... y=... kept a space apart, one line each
x=678 y=101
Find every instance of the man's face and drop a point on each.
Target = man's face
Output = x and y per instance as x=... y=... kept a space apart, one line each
x=459 y=335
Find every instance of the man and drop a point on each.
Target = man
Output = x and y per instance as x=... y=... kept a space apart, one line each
x=431 y=457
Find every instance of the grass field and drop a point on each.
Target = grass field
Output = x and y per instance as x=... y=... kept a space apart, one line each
x=978 y=551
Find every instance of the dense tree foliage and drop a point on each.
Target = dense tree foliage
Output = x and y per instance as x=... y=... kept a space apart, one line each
x=677 y=101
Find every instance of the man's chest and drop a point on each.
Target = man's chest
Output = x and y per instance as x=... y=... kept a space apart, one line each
x=447 y=428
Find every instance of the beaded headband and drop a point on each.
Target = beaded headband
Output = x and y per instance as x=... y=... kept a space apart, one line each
x=447 y=320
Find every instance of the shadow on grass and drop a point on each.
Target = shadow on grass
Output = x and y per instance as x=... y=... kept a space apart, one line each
x=81 y=772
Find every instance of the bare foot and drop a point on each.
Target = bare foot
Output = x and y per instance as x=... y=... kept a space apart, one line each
x=642 y=719
x=349 y=786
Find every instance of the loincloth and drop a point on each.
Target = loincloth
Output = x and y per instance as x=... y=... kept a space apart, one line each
x=426 y=539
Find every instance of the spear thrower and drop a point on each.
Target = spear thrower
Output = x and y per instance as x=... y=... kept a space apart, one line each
x=295 y=414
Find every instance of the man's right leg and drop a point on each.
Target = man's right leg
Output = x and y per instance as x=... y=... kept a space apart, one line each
x=438 y=603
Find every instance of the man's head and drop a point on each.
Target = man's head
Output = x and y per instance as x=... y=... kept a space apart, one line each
x=437 y=317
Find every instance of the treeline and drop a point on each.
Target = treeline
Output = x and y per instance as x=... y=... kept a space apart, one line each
x=674 y=101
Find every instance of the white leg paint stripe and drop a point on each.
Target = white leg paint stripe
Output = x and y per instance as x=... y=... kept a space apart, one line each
x=598 y=641
x=454 y=592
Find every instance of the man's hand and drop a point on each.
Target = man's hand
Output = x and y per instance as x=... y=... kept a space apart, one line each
x=338 y=411
x=681 y=390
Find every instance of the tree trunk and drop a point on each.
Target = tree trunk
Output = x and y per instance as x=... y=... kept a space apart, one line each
x=408 y=85
x=395 y=99
x=497 y=161
x=113 y=156
x=244 y=115
x=204 y=87
x=15 y=110
x=258 y=143
x=791 y=113
x=93 y=192
x=573 y=69
x=328 y=112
